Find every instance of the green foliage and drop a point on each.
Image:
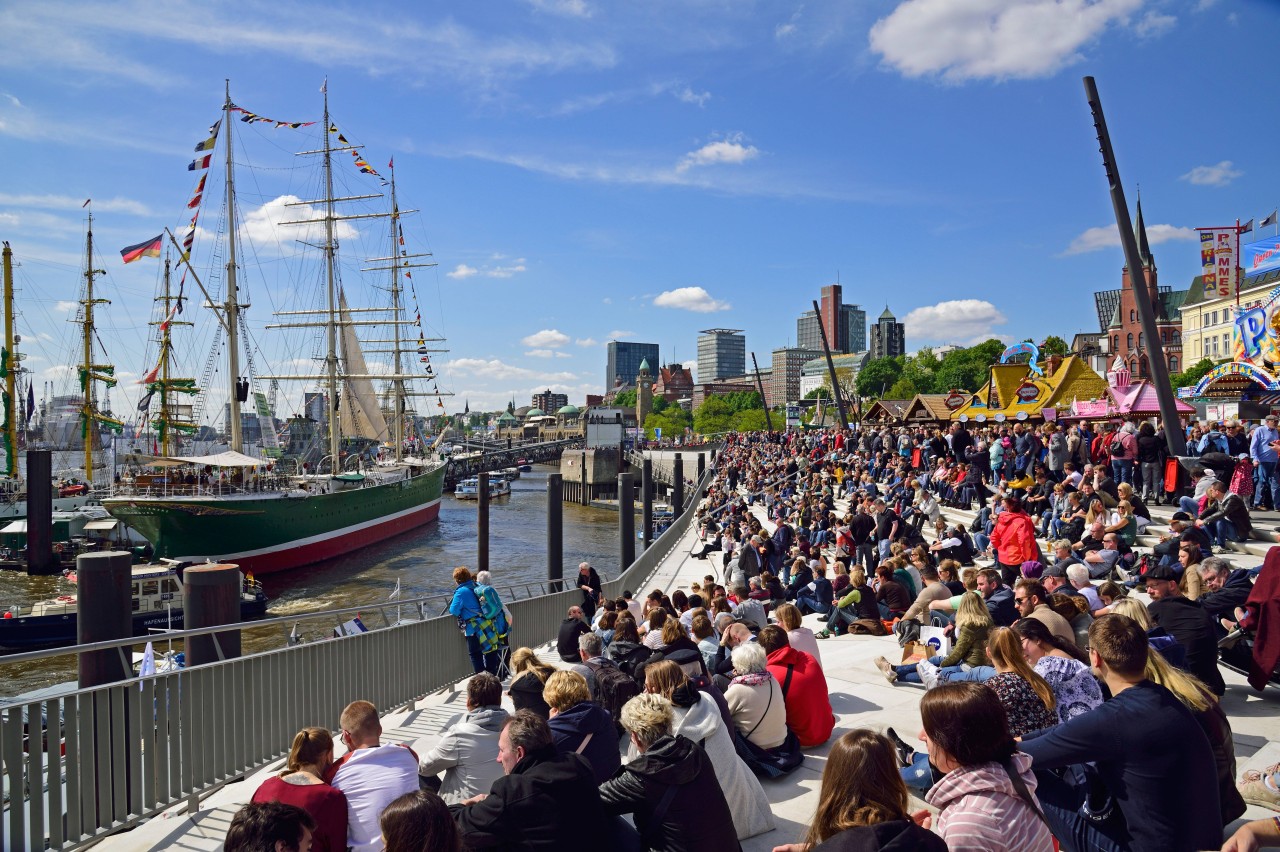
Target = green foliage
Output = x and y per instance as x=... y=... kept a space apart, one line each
x=743 y=400
x=625 y=399
x=879 y=375
x=1192 y=374
x=823 y=392
x=753 y=420
x=660 y=404
x=903 y=388
x=1054 y=345
x=672 y=421
x=713 y=416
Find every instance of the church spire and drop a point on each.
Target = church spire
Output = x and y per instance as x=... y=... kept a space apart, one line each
x=1144 y=247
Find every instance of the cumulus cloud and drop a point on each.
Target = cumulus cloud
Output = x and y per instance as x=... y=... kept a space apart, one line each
x=548 y=338
x=964 y=321
x=463 y=271
x=492 y=271
x=586 y=341
x=546 y=353
x=729 y=151
x=992 y=39
x=262 y=226
x=64 y=307
x=67 y=202
x=1219 y=175
x=1108 y=236
x=1154 y=24
x=694 y=299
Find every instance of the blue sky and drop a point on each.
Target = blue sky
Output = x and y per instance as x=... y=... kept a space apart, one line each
x=588 y=170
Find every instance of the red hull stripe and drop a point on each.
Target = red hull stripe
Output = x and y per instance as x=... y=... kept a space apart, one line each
x=295 y=556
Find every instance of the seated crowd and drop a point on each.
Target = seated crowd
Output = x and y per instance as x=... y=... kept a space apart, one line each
x=1063 y=713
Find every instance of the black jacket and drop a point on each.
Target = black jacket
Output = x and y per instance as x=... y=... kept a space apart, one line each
x=586 y=719
x=526 y=694
x=697 y=818
x=1233 y=509
x=1234 y=593
x=548 y=802
x=1189 y=623
x=567 y=640
x=896 y=836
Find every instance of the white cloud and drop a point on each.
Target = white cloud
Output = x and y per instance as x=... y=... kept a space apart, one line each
x=992 y=39
x=606 y=300
x=621 y=334
x=506 y=271
x=495 y=271
x=66 y=202
x=694 y=299
x=463 y=271
x=1219 y=175
x=547 y=338
x=689 y=96
x=785 y=31
x=1108 y=236
x=565 y=8
x=586 y=342
x=546 y=353
x=1154 y=24
x=494 y=368
x=65 y=307
x=966 y=321
x=1205 y=5
x=262 y=226
x=729 y=150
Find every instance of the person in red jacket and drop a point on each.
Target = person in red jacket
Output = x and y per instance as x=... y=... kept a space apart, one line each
x=1014 y=540
x=804 y=688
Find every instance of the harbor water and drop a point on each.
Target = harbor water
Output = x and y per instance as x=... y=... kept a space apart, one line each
x=422 y=561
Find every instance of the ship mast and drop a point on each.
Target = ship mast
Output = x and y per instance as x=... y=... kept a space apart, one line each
x=10 y=371
x=88 y=413
x=331 y=325
x=397 y=414
x=231 y=308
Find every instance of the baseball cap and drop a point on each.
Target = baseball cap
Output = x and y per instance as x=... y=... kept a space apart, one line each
x=1054 y=571
x=1180 y=516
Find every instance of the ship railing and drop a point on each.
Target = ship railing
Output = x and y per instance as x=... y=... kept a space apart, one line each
x=142 y=746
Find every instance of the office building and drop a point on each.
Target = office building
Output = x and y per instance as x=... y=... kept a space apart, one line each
x=814 y=374
x=846 y=325
x=550 y=402
x=624 y=362
x=784 y=380
x=722 y=352
x=888 y=337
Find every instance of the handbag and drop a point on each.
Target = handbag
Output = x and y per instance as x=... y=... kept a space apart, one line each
x=769 y=763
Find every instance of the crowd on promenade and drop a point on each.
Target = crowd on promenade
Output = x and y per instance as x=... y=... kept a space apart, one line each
x=1064 y=711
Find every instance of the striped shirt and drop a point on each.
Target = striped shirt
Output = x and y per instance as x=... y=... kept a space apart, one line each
x=981 y=811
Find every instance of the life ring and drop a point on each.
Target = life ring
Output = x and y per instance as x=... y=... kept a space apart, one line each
x=65 y=598
x=58 y=547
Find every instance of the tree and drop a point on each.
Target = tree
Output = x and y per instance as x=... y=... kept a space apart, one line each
x=903 y=388
x=1193 y=374
x=1054 y=345
x=660 y=404
x=743 y=400
x=879 y=375
x=672 y=422
x=713 y=416
x=823 y=392
x=753 y=420
x=920 y=370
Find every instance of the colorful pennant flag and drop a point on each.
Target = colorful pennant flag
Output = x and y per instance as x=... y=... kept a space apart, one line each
x=150 y=377
x=146 y=248
x=164 y=326
x=199 y=163
x=207 y=145
x=250 y=117
x=198 y=194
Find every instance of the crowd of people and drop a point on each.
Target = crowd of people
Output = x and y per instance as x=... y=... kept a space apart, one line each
x=1061 y=710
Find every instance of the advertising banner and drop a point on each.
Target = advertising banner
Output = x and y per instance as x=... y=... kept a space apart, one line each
x=1261 y=256
x=1219 y=254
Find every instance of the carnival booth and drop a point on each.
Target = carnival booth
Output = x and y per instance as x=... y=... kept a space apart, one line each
x=1126 y=399
x=886 y=411
x=934 y=409
x=1247 y=386
x=1025 y=392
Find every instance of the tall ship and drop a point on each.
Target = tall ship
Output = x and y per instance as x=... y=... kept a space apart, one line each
x=371 y=477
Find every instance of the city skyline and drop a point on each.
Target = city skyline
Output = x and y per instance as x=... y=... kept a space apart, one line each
x=587 y=172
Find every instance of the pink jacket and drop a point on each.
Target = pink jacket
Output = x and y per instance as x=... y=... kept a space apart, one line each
x=982 y=812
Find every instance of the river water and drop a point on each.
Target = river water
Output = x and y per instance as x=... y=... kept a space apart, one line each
x=421 y=560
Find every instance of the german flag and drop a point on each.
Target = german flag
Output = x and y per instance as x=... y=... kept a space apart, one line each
x=146 y=248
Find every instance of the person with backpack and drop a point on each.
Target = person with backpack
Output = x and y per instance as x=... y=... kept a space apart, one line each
x=480 y=632
x=579 y=726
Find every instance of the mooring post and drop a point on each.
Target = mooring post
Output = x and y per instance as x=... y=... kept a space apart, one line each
x=105 y=579
x=40 y=514
x=585 y=496
x=482 y=524
x=212 y=597
x=677 y=494
x=626 y=521
x=646 y=500
x=555 y=533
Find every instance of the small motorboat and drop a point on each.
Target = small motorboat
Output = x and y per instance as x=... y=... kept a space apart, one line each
x=469 y=488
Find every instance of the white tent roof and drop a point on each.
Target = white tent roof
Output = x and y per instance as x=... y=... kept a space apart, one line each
x=228 y=459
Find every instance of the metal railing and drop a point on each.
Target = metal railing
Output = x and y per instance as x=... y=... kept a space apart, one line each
x=85 y=764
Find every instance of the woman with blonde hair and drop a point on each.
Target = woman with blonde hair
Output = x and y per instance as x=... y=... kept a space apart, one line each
x=579 y=726
x=302 y=785
x=863 y=801
x=1125 y=523
x=697 y=717
x=973 y=623
x=800 y=637
x=529 y=676
x=1027 y=698
x=1160 y=639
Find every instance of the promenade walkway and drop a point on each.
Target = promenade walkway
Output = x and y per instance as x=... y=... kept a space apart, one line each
x=860 y=697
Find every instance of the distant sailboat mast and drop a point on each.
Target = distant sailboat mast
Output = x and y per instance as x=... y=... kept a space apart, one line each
x=232 y=307
x=11 y=370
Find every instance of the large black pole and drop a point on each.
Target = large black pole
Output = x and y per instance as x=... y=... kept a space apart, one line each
x=40 y=513
x=768 y=420
x=831 y=368
x=212 y=597
x=677 y=497
x=555 y=533
x=1146 y=310
x=482 y=524
x=626 y=521
x=105 y=582
x=646 y=499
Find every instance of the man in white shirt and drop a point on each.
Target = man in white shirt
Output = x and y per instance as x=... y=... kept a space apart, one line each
x=370 y=774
